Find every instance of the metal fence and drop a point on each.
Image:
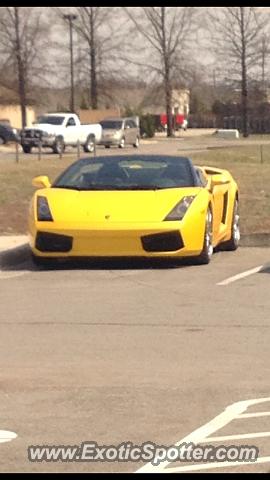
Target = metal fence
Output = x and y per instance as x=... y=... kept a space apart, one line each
x=40 y=151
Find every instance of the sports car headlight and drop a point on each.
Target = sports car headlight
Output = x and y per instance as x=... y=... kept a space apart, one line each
x=43 y=210
x=178 y=212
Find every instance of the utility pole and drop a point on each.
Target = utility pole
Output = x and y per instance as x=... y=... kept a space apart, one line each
x=244 y=93
x=70 y=17
x=264 y=54
x=93 y=73
x=21 y=69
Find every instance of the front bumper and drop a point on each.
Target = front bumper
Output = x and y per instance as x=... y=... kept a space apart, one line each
x=109 y=141
x=35 y=142
x=165 y=239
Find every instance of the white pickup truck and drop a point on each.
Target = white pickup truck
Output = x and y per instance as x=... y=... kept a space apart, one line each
x=56 y=130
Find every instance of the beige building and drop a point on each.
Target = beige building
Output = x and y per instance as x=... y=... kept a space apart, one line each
x=12 y=113
x=154 y=101
x=180 y=101
x=95 y=116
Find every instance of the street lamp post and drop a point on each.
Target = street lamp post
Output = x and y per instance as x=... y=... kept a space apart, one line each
x=70 y=17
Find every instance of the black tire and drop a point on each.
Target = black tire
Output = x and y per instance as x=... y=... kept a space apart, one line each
x=207 y=251
x=137 y=143
x=26 y=148
x=59 y=146
x=89 y=145
x=122 y=143
x=2 y=140
x=43 y=261
x=233 y=243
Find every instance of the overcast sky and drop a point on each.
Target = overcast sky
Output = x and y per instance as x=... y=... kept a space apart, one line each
x=199 y=49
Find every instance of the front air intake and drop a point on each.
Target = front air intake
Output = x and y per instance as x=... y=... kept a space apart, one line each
x=162 y=242
x=52 y=242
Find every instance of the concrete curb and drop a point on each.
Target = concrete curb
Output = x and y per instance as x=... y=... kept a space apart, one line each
x=14 y=256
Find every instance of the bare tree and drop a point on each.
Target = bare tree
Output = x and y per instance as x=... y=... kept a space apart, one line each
x=99 y=32
x=166 y=31
x=21 y=41
x=237 y=34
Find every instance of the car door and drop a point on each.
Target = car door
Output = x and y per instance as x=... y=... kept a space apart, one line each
x=3 y=135
x=133 y=131
x=128 y=131
x=220 y=200
x=219 y=203
x=72 y=131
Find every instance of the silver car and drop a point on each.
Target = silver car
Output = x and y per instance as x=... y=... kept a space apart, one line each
x=120 y=132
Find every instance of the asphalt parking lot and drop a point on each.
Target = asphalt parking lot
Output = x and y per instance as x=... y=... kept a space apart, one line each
x=132 y=351
x=115 y=352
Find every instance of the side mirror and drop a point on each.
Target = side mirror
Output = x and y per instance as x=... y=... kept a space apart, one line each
x=218 y=179
x=41 y=182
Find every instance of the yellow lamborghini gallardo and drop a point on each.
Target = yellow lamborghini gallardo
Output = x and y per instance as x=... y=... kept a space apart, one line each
x=134 y=205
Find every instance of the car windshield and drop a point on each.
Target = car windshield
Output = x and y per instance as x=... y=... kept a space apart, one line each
x=111 y=124
x=53 y=120
x=136 y=172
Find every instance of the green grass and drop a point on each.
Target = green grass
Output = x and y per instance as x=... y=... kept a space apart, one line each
x=253 y=178
x=244 y=162
x=16 y=188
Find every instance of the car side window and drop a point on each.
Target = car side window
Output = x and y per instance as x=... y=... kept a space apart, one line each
x=201 y=177
x=71 y=122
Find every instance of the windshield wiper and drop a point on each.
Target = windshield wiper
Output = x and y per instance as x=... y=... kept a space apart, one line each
x=68 y=187
x=90 y=188
x=123 y=187
x=142 y=187
x=108 y=187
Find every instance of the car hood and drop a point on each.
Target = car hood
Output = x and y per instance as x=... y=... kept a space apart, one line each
x=113 y=206
x=110 y=131
x=46 y=127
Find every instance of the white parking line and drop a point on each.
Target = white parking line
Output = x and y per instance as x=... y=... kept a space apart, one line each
x=202 y=434
x=254 y=414
x=239 y=276
x=225 y=438
x=209 y=466
x=7 y=436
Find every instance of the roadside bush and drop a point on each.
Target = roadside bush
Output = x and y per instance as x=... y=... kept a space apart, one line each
x=147 y=122
x=147 y=126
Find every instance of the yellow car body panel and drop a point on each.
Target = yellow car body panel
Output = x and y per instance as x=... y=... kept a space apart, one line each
x=221 y=227
x=105 y=231
x=112 y=223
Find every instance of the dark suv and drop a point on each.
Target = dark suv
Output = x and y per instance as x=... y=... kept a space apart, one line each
x=8 y=134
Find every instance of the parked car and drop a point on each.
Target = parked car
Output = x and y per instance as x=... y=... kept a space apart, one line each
x=134 y=206
x=184 y=124
x=57 y=130
x=8 y=134
x=120 y=132
x=179 y=121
